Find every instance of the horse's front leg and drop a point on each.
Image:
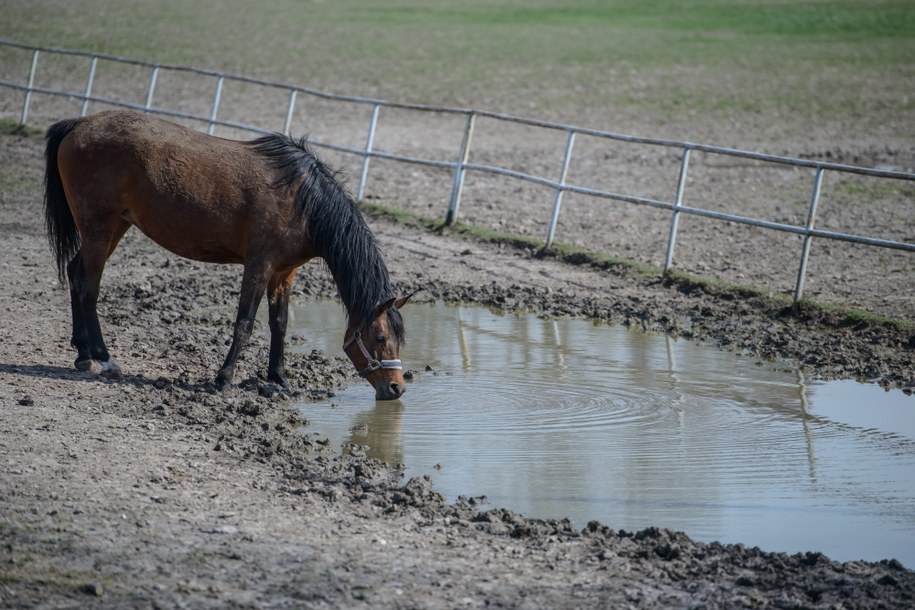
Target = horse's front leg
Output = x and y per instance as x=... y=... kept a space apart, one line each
x=278 y=298
x=253 y=284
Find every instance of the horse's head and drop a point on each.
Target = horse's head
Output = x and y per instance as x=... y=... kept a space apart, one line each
x=374 y=349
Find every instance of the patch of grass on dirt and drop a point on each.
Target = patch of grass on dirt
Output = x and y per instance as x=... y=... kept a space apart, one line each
x=566 y=253
x=14 y=128
x=397 y=215
x=852 y=316
x=872 y=190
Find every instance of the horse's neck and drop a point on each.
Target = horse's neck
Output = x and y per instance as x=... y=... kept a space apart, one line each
x=362 y=280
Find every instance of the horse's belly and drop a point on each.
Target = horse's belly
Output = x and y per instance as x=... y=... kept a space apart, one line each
x=188 y=239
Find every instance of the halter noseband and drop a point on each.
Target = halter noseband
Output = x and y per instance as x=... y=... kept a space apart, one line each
x=373 y=363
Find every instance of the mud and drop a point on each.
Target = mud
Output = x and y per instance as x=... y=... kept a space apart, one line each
x=159 y=491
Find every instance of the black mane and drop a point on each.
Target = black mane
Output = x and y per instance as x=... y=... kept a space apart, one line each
x=336 y=227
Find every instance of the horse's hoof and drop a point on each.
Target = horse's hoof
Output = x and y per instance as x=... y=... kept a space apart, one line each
x=280 y=380
x=111 y=370
x=224 y=382
x=85 y=365
x=93 y=366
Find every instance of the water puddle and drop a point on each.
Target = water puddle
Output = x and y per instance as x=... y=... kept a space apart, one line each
x=562 y=418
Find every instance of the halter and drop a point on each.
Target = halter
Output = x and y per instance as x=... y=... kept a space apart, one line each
x=373 y=363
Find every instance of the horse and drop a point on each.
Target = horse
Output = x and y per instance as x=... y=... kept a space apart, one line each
x=268 y=204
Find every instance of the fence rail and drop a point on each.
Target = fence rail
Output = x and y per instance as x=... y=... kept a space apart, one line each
x=461 y=165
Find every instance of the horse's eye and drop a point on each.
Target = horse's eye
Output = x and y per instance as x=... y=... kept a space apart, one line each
x=381 y=339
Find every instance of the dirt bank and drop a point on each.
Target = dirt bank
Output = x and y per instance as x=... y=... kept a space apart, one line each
x=159 y=492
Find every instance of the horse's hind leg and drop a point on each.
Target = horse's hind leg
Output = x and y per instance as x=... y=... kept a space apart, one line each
x=85 y=281
x=80 y=337
x=278 y=290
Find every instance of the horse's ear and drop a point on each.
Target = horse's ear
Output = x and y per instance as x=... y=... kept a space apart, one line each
x=383 y=307
x=395 y=303
x=403 y=300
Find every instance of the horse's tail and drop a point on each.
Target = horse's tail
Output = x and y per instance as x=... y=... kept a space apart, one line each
x=61 y=227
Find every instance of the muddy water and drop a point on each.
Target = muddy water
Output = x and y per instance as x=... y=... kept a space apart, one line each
x=563 y=418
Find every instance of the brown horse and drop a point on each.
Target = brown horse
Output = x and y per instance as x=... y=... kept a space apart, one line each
x=268 y=204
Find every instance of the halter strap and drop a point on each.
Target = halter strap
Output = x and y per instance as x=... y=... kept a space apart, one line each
x=373 y=363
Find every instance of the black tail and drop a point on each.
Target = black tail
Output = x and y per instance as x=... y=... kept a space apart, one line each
x=58 y=219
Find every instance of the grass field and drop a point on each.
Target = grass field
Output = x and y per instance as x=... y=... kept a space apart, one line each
x=678 y=69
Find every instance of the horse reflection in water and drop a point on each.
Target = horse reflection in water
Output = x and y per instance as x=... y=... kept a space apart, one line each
x=377 y=432
x=268 y=204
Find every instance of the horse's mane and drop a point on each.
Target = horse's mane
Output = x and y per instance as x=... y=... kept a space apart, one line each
x=336 y=227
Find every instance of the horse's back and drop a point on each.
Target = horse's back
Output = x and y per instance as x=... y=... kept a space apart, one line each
x=127 y=138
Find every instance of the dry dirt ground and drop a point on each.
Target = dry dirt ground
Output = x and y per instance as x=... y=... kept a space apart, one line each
x=160 y=492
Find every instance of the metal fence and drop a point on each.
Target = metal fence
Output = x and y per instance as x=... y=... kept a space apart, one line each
x=460 y=164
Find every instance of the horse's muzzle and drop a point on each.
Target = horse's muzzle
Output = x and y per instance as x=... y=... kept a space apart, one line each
x=390 y=391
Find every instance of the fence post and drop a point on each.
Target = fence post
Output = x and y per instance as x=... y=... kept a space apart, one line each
x=805 y=251
x=216 y=97
x=153 y=78
x=28 y=92
x=289 y=110
x=89 y=80
x=369 y=141
x=454 y=202
x=557 y=202
x=675 y=217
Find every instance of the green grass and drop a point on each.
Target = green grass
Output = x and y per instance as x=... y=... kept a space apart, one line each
x=873 y=190
x=854 y=317
x=564 y=252
x=560 y=57
x=14 y=128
